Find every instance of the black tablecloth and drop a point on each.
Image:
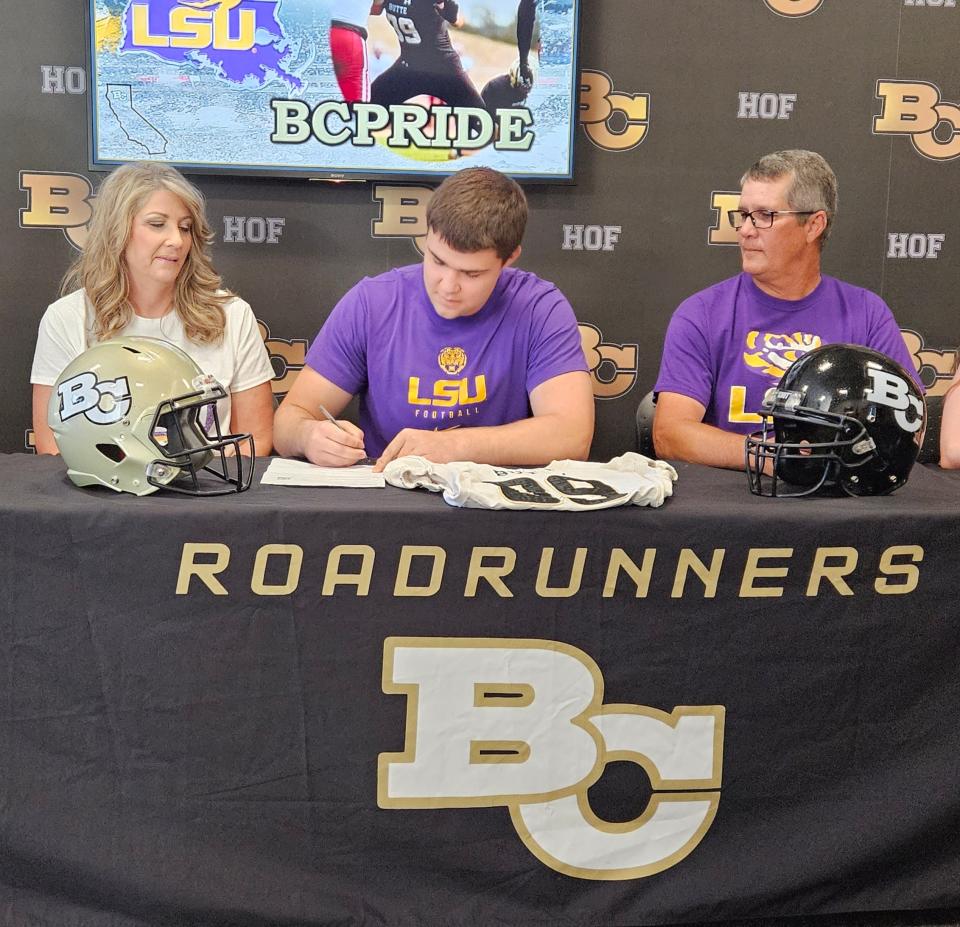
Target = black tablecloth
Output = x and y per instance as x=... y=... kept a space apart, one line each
x=194 y=699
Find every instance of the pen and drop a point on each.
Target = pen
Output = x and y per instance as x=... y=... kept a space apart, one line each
x=366 y=461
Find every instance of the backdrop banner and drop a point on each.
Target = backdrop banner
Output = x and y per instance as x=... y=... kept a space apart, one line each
x=676 y=101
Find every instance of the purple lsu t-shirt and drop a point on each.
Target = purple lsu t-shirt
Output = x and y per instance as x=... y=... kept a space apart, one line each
x=728 y=344
x=414 y=369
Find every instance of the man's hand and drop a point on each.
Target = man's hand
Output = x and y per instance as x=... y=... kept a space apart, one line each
x=438 y=446
x=328 y=446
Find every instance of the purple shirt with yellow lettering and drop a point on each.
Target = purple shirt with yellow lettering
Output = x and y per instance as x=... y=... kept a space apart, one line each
x=414 y=369
x=728 y=344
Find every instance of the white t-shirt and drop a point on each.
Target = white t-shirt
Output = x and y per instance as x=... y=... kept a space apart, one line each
x=240 y=361
x=561 y=486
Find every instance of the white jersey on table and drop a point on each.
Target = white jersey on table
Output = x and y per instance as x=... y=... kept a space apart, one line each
x=563 y=485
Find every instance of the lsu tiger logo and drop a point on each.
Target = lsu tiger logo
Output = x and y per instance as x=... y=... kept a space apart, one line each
x=452 y=360
x=773 y=353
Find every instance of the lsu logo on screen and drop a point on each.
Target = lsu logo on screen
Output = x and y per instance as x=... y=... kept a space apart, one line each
x=192 y=24
x=916 y=109
x=57 y=200
x=612 y=120
x=522 y=724
x=794 y=8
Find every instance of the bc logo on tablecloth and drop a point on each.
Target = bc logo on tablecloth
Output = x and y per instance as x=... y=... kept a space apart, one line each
x=521 y=723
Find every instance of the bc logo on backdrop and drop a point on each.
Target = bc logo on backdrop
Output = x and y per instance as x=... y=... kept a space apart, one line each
x=522 y=724
x=918 y=110
x=403 y=212
x=613 y=367
x=612 y=120
x=794 y=8
x=935 y=367
x=287 y=356
x=722 y=231
x=57 y=200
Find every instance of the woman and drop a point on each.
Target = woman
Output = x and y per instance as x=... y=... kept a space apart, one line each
x=146 y=270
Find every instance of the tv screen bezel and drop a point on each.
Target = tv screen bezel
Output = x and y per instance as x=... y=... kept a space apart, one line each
x=360 y=175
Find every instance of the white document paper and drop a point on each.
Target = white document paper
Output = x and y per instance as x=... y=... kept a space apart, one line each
x=282 y=472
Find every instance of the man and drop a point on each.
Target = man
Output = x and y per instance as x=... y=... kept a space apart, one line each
x=462 y=358
x=726 y=345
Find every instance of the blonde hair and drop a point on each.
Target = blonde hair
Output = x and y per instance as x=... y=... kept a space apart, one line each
x=101 y=269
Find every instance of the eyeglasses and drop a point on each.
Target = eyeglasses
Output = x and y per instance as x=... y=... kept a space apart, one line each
x=763 y=218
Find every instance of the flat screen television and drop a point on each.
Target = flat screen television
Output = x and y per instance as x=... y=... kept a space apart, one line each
x=335 y=89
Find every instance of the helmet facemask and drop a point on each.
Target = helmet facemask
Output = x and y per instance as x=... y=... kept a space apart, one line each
x=188 y=448
x=808 y=451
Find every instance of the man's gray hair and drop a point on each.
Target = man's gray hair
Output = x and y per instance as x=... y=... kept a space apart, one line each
x=814 y=184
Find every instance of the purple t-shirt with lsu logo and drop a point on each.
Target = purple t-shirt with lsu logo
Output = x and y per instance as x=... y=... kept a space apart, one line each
x=414 y=369
x=728 y=344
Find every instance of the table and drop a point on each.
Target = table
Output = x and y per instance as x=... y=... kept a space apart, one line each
x=318 y=706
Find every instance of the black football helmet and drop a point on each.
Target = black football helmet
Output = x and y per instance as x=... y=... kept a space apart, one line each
x=844 y=419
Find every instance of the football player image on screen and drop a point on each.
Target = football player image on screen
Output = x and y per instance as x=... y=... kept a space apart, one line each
x=348 y=46
x=428 y=62
x=512 y=89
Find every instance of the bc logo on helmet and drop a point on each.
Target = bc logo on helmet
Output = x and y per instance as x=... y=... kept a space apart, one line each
x=103 y=402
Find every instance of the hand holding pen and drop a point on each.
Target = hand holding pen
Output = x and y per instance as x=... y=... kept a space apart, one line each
x=346 y=452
